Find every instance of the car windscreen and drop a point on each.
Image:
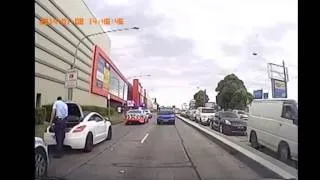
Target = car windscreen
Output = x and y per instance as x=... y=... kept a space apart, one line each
x=228 y=115
x=165 y=111
x=208 y=111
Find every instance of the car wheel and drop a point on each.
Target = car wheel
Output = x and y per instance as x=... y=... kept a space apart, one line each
x=158 y=122
x=254 y=140
x=41 y=164
x=109 y=134
x=173 y=123
x=89 y=143
x=284 y=152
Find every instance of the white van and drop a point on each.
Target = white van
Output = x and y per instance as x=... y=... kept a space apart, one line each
x=273 y=123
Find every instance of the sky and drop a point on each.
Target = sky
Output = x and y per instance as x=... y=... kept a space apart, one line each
x=187 y=45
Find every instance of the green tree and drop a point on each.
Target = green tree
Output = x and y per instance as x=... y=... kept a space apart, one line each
x=201 y=98
x=232 y=93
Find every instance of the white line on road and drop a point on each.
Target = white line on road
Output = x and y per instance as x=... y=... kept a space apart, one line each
x=145 y=137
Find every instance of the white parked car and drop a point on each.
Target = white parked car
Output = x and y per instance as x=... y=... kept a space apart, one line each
x=41 y=158
x=204 y=115
x=84 y=129
x=273 y=123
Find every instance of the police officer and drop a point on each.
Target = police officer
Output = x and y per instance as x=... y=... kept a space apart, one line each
x=58 y=117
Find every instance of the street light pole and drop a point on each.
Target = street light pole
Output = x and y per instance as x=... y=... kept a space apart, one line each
x=204 y=97
x=70 y=90
x=285 y=78
x=284 y=72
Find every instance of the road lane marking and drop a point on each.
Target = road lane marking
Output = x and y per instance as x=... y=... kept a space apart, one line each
x=145 y=137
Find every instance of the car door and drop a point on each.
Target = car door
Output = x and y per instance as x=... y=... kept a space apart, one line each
x=101 y=128
x=93 y=127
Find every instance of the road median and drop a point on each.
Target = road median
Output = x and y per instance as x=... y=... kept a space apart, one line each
x=277 y=167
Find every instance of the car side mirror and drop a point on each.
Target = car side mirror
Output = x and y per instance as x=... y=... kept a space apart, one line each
x=106 y=118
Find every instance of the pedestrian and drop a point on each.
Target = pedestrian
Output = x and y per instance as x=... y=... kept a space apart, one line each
x=58 y=121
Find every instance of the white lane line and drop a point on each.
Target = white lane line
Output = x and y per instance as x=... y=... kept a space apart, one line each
x=145 y=137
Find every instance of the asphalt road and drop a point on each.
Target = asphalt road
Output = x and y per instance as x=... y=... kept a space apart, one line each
x=152 y=151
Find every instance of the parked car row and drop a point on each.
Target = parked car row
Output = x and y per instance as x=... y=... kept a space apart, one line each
x=270 y=123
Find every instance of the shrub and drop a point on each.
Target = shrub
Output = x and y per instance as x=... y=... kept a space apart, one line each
x=48 y=110
x=101 y=110
x=40 y=115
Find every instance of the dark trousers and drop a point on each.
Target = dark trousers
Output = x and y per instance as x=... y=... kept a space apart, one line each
x=59 y=130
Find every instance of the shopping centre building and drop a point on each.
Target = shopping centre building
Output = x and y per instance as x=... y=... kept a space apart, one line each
x=55 y=45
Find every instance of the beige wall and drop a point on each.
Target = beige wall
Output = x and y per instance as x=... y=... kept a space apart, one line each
x=54 y=48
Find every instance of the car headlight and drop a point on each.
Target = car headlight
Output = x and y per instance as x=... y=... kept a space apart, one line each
x=227 y=122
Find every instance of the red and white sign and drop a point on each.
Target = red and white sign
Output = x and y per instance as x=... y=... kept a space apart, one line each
x=71 y=78
x=130 y=103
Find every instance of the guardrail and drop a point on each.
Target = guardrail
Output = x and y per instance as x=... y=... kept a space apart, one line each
x=284 y=171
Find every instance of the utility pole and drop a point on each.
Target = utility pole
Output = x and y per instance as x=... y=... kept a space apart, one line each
x=204 y=97
x=285 y=77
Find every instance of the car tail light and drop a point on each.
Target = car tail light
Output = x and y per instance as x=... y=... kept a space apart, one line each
x=79 y=129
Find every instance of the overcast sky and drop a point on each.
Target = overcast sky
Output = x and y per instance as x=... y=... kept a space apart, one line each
x=185 y=44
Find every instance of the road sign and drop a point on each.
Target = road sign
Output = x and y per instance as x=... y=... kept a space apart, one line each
x=71 y=78
x=130 y=103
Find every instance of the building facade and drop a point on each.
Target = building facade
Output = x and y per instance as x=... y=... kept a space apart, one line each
x=55 y=45
x=107 y=80
x=138 y=94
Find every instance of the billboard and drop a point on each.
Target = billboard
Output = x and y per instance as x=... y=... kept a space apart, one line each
x=100 y=75
x=278 y=88
x=257 y=94
x=106 y=78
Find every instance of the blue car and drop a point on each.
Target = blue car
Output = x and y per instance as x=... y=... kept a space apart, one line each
x=166 y=116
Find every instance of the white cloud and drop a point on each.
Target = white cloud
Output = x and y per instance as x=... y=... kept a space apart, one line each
x=204 y=40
